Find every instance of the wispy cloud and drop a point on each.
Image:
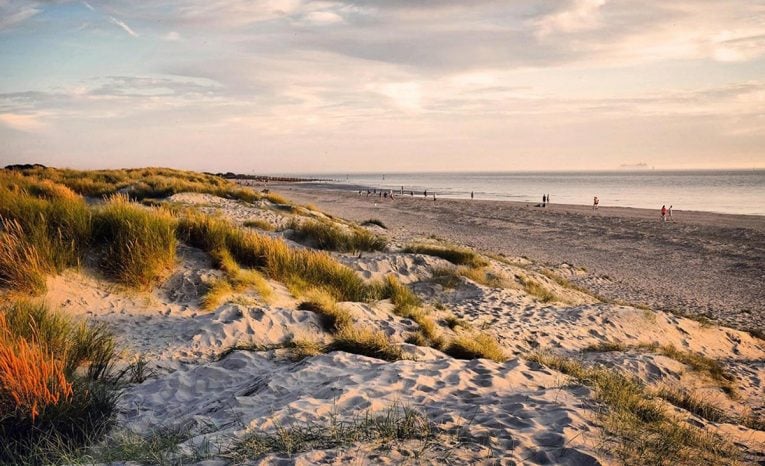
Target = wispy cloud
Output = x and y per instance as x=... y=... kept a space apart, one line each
x=124 y=26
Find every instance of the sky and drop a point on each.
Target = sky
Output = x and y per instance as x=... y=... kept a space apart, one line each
x=294 y=86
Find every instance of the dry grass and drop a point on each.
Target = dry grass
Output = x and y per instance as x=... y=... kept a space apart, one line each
x=697 y=362
x=216 y=294
x=537 y=290
x=332 y=237
x=454 y=254
x=260 y=224
x=449 y=277
x=374 y=221
x=333 y=317
x=475 y=345
x=302 y=347
x=692 y=403
x=636 y=428
x=367 y=342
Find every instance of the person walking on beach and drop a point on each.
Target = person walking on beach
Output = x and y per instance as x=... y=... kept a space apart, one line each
x=669 y=213
x=664 y=213
x=595 y=202
x=472 y=195
x=544 y=200
x=548 y=198
x=425 y=193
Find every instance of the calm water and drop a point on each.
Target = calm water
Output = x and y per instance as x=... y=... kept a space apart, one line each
x=728 y=191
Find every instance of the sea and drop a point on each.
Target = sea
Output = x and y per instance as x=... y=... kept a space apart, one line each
x=723 y=191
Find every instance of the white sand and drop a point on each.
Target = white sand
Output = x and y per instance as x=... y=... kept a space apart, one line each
x=514 y=411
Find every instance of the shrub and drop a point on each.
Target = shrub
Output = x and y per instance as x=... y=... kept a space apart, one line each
x=455 y=255
x=328 y=236
x=137 y=244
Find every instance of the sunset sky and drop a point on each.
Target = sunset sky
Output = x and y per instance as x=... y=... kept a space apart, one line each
x=285 y=86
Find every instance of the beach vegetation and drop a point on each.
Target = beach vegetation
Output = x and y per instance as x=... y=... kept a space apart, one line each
x=454 y=254
x=136 y=244
x=374 y=221
x=390 y=425
x=302 y=347
x=367 y=342
x=636 y=428
x=332 y=316
x=473 y=345
x=537 y=289
x=55 y=384
x=333 y=237
x=260 y=224
x=692 y=403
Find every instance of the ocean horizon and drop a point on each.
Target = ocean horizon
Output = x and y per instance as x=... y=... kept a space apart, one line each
x=731 y=191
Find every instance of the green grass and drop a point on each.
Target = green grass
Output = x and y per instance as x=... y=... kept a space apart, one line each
x=636 y=428
x=332 y=237
x=391 y=425
x=455 y=255
x=300 y=269
x=137 y=244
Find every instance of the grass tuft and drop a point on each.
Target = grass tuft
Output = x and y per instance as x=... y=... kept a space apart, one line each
x=374 y=221
x=475 y=345
x=333 y=317
x=332 y=237
x=536 y=289
x=260 y=224
x=367 y=342
x=455 y=255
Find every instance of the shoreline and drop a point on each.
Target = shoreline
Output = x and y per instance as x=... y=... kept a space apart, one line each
x=701 y=263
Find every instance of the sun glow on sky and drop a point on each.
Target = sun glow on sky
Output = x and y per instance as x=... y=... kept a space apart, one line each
x=341 y=85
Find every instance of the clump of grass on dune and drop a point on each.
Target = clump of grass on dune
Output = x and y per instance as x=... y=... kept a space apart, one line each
x=449 y=277
x=367 y=342
x=637 y=429
x=328 y=236
x=455 y=255
x=374 y=221
x=44 y=227
x=137 y=244
x=260 y=224
x=55 y=390
x=536 y=289
x=475 y=345
x=692 y=403
x=299 y=268
x=333 y=317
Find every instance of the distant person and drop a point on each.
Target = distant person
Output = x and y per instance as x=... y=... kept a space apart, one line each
x=664 y=213
x=669 y=213
x=411 y=193
x=548 y=198
x=425 y=193
x=595 y=202
x=544 y=200
x=434 y=197
x=472 y=195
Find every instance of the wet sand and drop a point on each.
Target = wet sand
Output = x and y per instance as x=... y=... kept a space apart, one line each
x=700 y=263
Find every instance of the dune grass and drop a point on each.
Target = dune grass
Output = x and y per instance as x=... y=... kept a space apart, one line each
x=537 y=290
x=332 y=237
x=695 y=361
x=449 y=277
x=137 y=244
x=374 y=221
x=333 y=317
x=55 y=386
x=637 y=429
x=141 y=183
x=454 y=254
x=299 y=268
x=260 y=224
x=367 y=342
x=474 y=345
x=390 y=425
x=692 y=403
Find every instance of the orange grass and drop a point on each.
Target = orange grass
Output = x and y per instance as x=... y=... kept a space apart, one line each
x=30 y=377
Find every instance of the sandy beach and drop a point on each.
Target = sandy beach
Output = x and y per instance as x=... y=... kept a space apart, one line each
x=705 y=264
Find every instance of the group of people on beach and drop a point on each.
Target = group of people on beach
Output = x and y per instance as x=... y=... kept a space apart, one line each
x=666 y=214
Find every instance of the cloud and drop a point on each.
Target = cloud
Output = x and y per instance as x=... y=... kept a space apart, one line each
x=172 y=36
x=12 y=14
x=124 y=26
x=580 y=15
x=19 y=122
